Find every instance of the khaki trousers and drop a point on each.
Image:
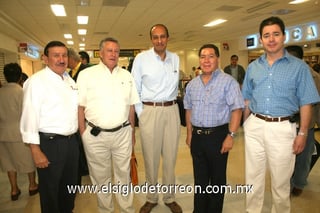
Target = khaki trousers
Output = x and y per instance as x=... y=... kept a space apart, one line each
x=160 y=132
x=268 y=145
x=107 y=151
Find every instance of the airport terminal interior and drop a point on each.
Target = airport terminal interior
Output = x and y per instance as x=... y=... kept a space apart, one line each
x=27 y=26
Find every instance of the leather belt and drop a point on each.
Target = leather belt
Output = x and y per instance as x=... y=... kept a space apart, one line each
x=52 y=136
x=164 y=103
x=271 y=119
x=207 y=130
x=124 y=124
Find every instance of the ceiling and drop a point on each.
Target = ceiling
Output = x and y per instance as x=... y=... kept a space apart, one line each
x=33 y=22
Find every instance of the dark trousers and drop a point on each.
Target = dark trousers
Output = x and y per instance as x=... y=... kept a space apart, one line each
x=209 y=168
x=63 y=155
x=83 y=165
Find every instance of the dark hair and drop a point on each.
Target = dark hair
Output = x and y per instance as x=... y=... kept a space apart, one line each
x=234 y=56
x=159 y=25
x=84 y=55
x=53 y=44
x=271 y=21
x=108 y=39
x=12 y=72
x=316 y=67
x=211 y=46
x=295 y=50
x=24 y=77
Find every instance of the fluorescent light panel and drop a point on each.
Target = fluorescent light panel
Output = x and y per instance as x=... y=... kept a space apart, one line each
x=58 y=10
x=67 y=36
x=215 y=22
x=82 y=19
x=82 y=45
x=82 y=31
x=298 y=1
x=70 y=42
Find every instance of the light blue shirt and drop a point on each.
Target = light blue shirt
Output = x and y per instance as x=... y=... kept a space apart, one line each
x=212 y=104
x=156 y=80
x=280 y=89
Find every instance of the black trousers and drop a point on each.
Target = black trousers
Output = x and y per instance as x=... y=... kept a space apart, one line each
x=83 y=165
x=209 y=168
x=63 y=155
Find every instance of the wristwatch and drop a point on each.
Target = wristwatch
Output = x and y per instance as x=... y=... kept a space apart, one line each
x=232 y=134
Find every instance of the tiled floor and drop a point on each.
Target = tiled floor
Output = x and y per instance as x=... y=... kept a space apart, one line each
x=234 y=203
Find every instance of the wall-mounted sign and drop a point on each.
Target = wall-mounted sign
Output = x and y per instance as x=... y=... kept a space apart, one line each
x=252 y=41
x=23 y=47
x=96 y=54
x=123 y=53
x=301 y=33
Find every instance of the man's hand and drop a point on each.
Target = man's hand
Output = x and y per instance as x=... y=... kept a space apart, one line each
x=39 y=158
x=299 y=144
x=227 y=144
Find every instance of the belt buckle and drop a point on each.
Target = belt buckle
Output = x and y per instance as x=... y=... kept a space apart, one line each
x=199 y=131
x=207 y=132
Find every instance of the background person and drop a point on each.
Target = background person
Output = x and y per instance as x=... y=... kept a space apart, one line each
x=107 y=95
x=235 y=70
x=74 y=63
x=48 y=124
x=156 y=73
x=210 y=136
x=85 y=58
x=15 y=156
x=276 y=86
x=303 y=160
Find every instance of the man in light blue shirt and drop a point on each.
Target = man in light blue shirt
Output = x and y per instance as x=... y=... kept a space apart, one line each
x=276 y=86
x=213 y=104
x=156 y=74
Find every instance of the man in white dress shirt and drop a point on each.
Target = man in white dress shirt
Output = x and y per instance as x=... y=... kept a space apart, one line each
x=49 y=123
x=107 y=95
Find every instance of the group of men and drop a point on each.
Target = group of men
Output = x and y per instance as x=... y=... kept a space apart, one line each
x=102 y=106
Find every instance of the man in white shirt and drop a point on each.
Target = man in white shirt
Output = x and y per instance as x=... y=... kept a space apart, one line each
x=156 y=73
x=107 y=95
x=48 y=124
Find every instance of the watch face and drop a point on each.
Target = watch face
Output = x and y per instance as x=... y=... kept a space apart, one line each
x=232 y=134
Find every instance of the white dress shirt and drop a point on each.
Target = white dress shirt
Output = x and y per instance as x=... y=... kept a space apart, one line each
x=106 y=96
x=156 y=80
x=50 y=105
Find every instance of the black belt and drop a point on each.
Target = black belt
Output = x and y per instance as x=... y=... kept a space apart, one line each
x=52 y=136
x=207 y=130
x=124 y=124
x=164 y=103
x=271 y=119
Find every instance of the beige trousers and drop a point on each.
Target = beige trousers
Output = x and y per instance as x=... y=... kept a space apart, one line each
x=107 y=151
x=269 y=145
x=160 y=132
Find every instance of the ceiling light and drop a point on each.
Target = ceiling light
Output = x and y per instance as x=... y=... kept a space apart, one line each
x=67 y=36
x=298 y=1
x=58 y=10
x=82 y=19
x=82 y=45
x=215 y=22
x=82 y=31
x=83 y=2
x=81 y=48
x=70 y=42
